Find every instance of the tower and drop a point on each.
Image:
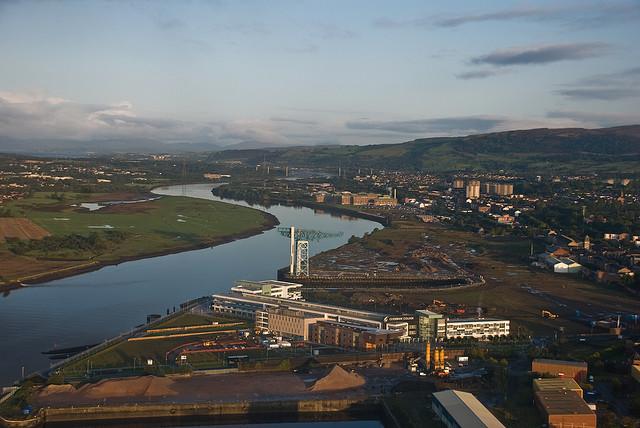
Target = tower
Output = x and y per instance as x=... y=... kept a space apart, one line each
x=587 y=243
x=292 y=253
x=427 y=355
x=302 y=262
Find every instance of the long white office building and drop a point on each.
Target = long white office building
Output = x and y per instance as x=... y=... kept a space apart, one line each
x=246 y=306
x=270 y=287
x=478 y=328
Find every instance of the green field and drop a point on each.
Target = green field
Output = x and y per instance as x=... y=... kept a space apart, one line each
x=126 y=354
x=119 y=232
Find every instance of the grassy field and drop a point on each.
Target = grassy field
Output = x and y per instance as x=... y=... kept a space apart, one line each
x=168 y=224
x=129 y=353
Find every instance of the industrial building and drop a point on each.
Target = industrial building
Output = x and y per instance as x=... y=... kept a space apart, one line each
x=478 y=328
x=557 y=384
x=561 y=264
x=564 y=409
x=457 y=409
x=351 y=336
x=576 y=370
x=271 y=287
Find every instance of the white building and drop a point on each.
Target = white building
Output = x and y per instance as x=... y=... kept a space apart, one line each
x=561 y=264
x=478 y=328
x=457 y=409
x=271 y=288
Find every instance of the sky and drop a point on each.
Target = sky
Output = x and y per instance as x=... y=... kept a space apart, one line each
x=313 y=72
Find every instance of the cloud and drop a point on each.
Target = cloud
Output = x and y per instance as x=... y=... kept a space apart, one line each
x=447 y=125
x=502 y=15
x=33 y=116
x=169 y=24
x=605 y=94
x=605 y=86
x=294 y=121
x=306 y=48
x=246 y=28
x=477 y=74
x=580 y=15
x=526 y=55
x=596 y=120
x=332 y=31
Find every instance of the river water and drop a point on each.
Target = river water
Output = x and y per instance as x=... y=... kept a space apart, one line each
x=92 y=307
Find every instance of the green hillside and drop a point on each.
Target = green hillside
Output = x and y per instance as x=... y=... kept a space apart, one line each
x=573 y=150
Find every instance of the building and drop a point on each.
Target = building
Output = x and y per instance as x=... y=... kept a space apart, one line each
x=385 y=201
x=561 y=264
x=500 y=189
x=351 y=336
x=473 y=189
x=564 y=409
x=478 y=328
x=407 y=323
x=576 y=370
x=273 y=288
x=246 y=306
x=557 y=384
x=431 y=325
x=286 y=322
x=457 y=409
x=458 y=183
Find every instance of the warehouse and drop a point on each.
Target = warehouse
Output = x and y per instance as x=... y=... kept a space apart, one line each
x=457 y=409
x=557 y=384
x=576 y=370
x=564 y=409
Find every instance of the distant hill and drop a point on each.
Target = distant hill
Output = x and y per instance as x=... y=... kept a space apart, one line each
x=570 y=150
x=99 y=147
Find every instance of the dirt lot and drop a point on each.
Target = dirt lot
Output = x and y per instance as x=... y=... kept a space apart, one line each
x=21 y=228
x=219 y=388
x=513 y=289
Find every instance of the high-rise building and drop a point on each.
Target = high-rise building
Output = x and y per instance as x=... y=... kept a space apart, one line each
x=473 y=189
x=458 y=183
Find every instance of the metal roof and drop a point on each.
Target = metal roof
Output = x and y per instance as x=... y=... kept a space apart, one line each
x=466 y=410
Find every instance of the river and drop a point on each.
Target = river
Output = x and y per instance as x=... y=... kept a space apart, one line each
x=91 y=307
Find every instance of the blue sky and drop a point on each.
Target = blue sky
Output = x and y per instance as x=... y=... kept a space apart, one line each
x=303 y=72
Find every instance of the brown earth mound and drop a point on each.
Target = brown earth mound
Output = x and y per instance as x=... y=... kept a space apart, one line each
x=338 y=379
x=144 y=386
x=55 y=389
x=21 y=228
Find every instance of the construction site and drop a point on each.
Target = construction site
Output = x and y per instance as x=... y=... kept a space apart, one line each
x=399 y=259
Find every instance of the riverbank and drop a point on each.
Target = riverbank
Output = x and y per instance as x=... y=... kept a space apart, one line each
x=258 y=410
x=329 y=208
x=173 y=224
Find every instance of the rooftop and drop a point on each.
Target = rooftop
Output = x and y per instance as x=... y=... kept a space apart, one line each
x=562 y=403
x=561 y=362
x=556 y=384
x=467 y=411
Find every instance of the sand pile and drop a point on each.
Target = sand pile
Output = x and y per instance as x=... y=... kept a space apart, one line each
x=56 y=389
x=144 y=386
x=338 y=379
